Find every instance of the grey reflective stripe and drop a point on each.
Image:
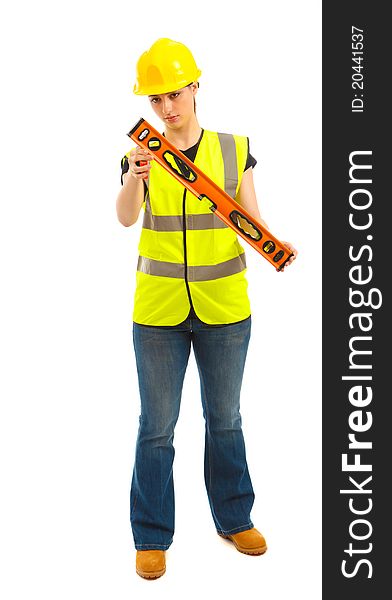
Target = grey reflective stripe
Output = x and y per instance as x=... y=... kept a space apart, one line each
x=161 y=268
x=175 y=222
x=162 y=223
x=223 y=269
x=229 y=154
x=204 y=221
x=148 y=203
x=199 y=273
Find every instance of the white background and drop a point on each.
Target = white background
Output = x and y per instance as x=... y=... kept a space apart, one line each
x=70 y=402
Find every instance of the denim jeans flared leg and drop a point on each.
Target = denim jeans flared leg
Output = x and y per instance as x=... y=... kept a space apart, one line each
x=162 y=355
x=161 y=358
x=220 y=355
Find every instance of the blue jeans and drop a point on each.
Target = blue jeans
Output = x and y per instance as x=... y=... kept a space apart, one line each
x=162 y=355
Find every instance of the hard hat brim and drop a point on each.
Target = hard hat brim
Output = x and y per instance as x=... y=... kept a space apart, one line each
x=164 y=88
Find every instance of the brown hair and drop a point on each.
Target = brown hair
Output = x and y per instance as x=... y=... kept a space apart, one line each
x=194 y=100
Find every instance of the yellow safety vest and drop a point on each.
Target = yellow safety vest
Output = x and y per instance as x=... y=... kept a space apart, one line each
x=186 y=253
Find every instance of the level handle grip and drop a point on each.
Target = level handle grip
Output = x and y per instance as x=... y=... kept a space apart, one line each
x=141 y=163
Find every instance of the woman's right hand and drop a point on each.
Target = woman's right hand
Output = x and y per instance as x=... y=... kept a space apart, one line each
x=139 y=171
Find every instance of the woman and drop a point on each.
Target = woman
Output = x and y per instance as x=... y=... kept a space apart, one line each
x=191 y=290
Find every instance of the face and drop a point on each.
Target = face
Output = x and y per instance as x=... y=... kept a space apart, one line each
x=175 y=108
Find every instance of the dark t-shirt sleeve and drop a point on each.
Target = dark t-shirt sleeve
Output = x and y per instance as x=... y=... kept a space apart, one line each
x=250 y=161
x=124 y=167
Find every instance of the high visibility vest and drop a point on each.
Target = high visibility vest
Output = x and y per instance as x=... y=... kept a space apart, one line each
x=187 y=255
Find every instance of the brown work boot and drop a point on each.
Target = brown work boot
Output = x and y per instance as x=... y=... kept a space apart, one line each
x=249 y=542
x=150 y=564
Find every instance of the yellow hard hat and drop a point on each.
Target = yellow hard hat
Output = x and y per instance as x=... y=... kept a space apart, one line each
x=166 y=66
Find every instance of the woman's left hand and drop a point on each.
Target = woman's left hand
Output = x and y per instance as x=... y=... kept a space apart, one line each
x=293 y=250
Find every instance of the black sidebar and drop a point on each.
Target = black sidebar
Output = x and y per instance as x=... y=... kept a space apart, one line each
x=357 y=265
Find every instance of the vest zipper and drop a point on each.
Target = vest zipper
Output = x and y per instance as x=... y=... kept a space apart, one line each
x=185 y=254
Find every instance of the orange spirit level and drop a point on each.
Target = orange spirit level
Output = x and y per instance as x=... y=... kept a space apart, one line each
x=206 y=190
